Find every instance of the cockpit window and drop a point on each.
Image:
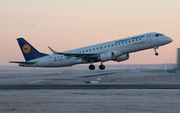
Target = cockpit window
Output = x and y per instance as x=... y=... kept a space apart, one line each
x=158 y=35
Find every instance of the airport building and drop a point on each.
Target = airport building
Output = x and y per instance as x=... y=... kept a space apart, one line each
x=178 y=58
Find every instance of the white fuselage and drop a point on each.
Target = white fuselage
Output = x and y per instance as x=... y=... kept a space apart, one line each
x=119 y=47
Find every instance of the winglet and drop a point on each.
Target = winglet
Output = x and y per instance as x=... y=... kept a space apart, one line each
x=52 y=50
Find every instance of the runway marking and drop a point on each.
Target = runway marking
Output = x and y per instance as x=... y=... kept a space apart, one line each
x=91 y=86
x=101 y=74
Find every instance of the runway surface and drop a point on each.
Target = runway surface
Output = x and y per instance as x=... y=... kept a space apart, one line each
x=77 y=79
x=81 y=90
x=91 y=86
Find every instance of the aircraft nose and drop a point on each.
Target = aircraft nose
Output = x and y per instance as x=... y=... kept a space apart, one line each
x=169 y=39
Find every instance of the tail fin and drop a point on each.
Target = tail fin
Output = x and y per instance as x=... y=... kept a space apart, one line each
x=29 y=51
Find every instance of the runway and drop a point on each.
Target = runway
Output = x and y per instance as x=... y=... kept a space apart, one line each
x=76 y=79
x=91 y=86
x=111 y=90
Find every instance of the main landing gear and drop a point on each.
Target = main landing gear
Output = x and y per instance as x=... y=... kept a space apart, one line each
x=156 y=53
x=101 y=67
x=91 y=67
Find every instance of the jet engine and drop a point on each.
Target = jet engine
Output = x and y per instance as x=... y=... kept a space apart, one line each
x=122 y=57
x=107 y=56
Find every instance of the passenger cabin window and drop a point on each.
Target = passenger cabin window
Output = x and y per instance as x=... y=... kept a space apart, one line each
x=86 y=50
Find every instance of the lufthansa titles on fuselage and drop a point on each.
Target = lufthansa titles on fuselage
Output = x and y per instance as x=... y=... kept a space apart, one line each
x=128 y=39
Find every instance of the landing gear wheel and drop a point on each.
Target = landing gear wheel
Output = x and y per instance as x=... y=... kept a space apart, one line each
x=102 y=67
x=91 y=67
x=156 y=54
x=155 y=48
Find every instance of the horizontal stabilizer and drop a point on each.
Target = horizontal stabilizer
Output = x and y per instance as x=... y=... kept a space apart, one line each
x=22 y=62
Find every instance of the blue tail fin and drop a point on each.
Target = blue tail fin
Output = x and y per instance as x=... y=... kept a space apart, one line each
x=29 y=51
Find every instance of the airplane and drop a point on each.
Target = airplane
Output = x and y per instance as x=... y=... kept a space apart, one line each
x=117 y=50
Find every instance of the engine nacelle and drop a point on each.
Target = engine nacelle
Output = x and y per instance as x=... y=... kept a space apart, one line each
x=107 y=56
x=122 y=57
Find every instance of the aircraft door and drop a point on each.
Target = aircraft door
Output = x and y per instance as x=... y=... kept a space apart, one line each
x=149 y=39
x=50 y=60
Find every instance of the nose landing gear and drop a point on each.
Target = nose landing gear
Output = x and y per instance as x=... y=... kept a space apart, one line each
x=156 y=53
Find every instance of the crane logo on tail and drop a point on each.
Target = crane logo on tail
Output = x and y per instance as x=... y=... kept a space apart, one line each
x=26 y=48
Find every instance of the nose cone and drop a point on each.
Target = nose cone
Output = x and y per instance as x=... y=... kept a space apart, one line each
x=169 y=39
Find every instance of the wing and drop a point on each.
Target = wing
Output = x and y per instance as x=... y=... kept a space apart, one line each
x=22 y=62
x=78 y=55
